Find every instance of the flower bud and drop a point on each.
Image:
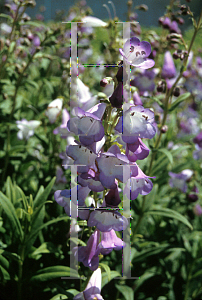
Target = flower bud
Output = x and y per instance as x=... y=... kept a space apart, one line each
x=176 y=91
x=161 y=87
x=7 y=43
x=103 y=82
x=164 y=129
x=142 y=7
x=192 y=197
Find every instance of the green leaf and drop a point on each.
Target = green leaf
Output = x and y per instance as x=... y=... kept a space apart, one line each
x=180 y=99
x=44 y=195
x=32 y=83
x=4 y=262
x=6 y=16
x=59 y=297
x=53 y=272
x=36 y=232
x=170 y=213
x=150 y=273
x=141 y=256
x=126 y=291
x=4 y=273
x=107 y=270
x=11 y=214
x=78 y=241
x=167 y=153
x=112 y=275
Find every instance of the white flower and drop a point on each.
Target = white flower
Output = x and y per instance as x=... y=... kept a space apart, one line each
x=93 y=22
x=26 y=128
x=54 y=109
x=5 y=28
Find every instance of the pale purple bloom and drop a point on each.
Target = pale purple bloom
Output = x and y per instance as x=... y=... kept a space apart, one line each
x=136 y=53
x=26 y=128
x=137 y=150
x=109 y=242
x=136 y=99
x=135 y=123
x=91 y=179
x=109 y=165
x=88 y=124
x=178 y=180
x=138 y=183
x=82 y=156
x=88 y=254
x=62 y=129
x=93 y=288
x=168 y=70
x=197 y=210
x=107 y=220
x=144 y=81
x=60 y=178
x=36 y=41
x=62 y=197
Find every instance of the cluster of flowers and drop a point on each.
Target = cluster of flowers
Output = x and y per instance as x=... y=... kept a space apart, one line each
x=99 y=171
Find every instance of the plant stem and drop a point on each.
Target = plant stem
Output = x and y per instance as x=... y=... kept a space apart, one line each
x=20 y=271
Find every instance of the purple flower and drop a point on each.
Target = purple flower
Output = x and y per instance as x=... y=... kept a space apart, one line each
x=36 y=41
x=88 y=255
x=174 y=27
x=62 y=129
x=137 y=150
x=136 y=53
x=110 y=241
x=136 y=99
x=93 y=289
x=168 y=70
x=145 y=81
x=108 y=166
x=60 y=178
x=62 y=197
x=112 y=198
x=116 y=98
x=197 y=210
x=198 y=139
x=82 y=156
x=138 y=183
x=88 y=124
x=178 y=180
x=197 y=154
x=107 y=220
x=91 y=179
x=135 y=123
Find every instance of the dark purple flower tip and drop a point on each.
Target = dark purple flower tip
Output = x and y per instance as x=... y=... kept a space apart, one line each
x=116 y=98
x=198 y=139
x=137 y=150
x=112 y=198
x=192 y=197
x=91 y=179
x=174 y=27
x=168 y=70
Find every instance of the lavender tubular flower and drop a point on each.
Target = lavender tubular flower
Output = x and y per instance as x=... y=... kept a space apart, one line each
x=137 y=122
x=93 y=288
x=136 y=53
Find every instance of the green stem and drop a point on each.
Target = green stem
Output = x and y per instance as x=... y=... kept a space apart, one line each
x=20 y=271
x=186 y=296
